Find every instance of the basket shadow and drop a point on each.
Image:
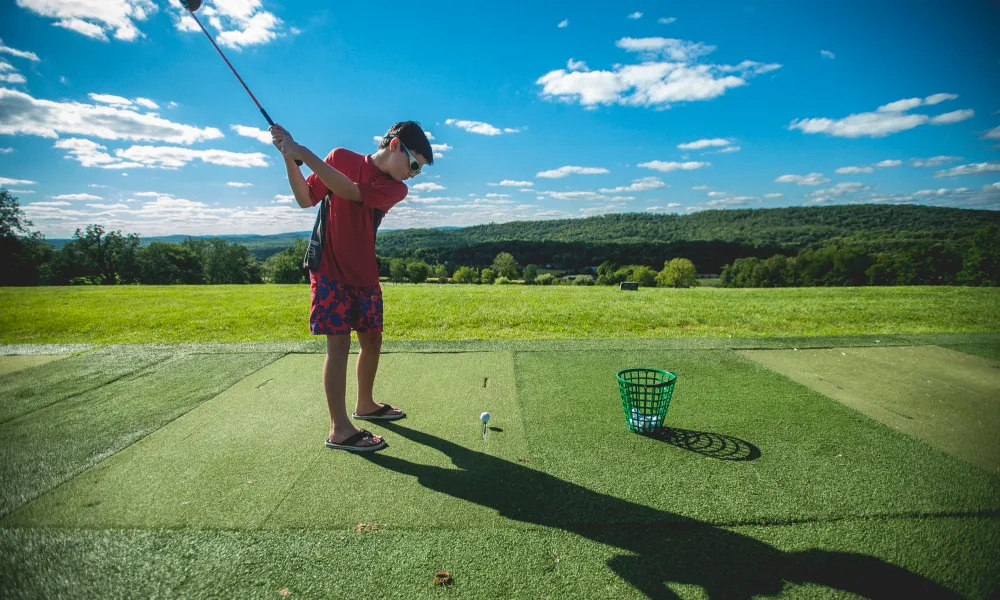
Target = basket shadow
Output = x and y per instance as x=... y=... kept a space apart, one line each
x=710 y=445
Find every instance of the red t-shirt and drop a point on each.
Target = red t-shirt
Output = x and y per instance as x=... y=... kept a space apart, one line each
x=349 y=234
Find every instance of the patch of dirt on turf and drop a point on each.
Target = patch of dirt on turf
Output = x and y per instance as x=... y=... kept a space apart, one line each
x=365 y=527
x=442 y=578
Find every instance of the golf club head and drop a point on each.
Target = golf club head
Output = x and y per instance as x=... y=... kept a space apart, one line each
x=191 y=5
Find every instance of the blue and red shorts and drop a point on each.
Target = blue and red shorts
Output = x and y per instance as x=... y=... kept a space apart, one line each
x=338 y=308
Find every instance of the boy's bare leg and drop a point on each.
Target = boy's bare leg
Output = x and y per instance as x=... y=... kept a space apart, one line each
x=335 y=384
x=371 y=349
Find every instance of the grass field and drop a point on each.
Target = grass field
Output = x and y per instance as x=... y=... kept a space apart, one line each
x=130 y=314
x=850 y=454
x=199 y=471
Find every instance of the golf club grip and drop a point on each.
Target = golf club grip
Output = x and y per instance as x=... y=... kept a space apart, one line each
x=298 y=163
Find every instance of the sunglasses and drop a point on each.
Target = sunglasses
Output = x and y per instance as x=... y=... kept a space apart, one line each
x=414 y=165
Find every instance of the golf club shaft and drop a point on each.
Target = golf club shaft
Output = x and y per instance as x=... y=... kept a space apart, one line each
x=231 y=68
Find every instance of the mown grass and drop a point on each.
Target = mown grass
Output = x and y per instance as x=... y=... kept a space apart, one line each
x=430 y=311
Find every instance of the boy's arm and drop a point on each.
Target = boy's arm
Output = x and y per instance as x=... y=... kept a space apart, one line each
x=336 y=181
x=299 y=186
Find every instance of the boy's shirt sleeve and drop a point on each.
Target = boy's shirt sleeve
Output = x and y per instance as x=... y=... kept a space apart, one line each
x=318 y=189
x=383 y=193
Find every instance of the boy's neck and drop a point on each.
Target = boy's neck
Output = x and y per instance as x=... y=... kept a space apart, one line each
x=380 y=159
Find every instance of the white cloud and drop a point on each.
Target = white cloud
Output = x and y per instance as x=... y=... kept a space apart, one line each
x=638 y=185
x=92 y=154
x=77 y=197
x=954 y=116
x=773 y=195
x=840 y=189
x=562 y=24
x=732 y=201
x=635 y=15
x=901 y=105
x=851 y=170
x=261 y=135
x=6 y=150
x=700 y=187
x=934 y=161
x=175 y=157
x=95 y=18
x=810 y=179
x=666 y=167
x=23 y=114
x=992 y=134
x=716 y=194
x=666 y=20
x=9 y=181
x=652 y=83
x=672 y=48
x=49 y=204
x=440 y=149
x=284 y=198
x=513 y=183
x=238 y=184
x=238 y=23
x=18 y=53
x=580 y=195
x=886 y=120
x=570 y=170
x=147 y=103
x=12 y=78
x=971 y=169
x=726 y=150
x=427 y=186
x=479 y=127
x=939 y=98
x=827 y=54
x=116 y=101
x=707 y=143
x=888 y=164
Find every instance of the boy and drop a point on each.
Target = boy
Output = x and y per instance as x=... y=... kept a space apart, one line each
x=345 y=290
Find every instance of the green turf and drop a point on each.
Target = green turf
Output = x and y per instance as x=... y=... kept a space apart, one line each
x=56 y=440
x=763 y=487
x=9 y=364
x=894 y=558
x=123 y=314
x=946 y=398
x=818 y=459
x=254 y=456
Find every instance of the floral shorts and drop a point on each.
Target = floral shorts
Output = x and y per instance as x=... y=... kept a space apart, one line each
x=337 y=308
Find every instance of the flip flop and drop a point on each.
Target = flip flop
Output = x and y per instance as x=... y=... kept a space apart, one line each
x=380 y=414
x=351 y=443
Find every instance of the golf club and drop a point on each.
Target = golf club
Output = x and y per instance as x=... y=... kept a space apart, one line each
x=193 y=5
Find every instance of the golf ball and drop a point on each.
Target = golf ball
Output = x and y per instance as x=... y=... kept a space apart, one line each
x=485 y=417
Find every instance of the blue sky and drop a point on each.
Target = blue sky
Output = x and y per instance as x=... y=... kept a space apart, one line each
x=117 y=112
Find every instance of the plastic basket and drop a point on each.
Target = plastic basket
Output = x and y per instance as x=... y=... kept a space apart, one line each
x=646 y=396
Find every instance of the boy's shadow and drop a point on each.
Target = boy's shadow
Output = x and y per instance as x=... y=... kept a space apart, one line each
x=659 y=546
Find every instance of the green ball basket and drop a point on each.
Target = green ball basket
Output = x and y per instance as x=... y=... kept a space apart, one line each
x=646 y=396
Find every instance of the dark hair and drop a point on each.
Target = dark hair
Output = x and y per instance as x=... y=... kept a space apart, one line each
x=412 y=136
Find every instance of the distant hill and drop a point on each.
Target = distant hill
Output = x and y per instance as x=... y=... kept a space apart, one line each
x=711 y=238
x=791 y=228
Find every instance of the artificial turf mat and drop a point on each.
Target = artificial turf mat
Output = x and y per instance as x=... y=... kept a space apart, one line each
x=811 y=458
x=254 y=456
x=946 y=398
x=9 y=364
x=44 y=447
x=745 y=493
x=891 y=558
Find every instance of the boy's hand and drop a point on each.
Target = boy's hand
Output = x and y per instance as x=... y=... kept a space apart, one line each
x=284 y=142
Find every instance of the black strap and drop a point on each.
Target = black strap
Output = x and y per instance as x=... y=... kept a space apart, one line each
x=314 y=251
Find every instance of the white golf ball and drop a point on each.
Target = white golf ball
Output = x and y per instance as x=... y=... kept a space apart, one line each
x=485 y=417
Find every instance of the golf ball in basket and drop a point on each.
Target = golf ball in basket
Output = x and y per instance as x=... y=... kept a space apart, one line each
x=485 y=417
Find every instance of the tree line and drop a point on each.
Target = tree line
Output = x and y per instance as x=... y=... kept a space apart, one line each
x=97 y=256
x=854 y=265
